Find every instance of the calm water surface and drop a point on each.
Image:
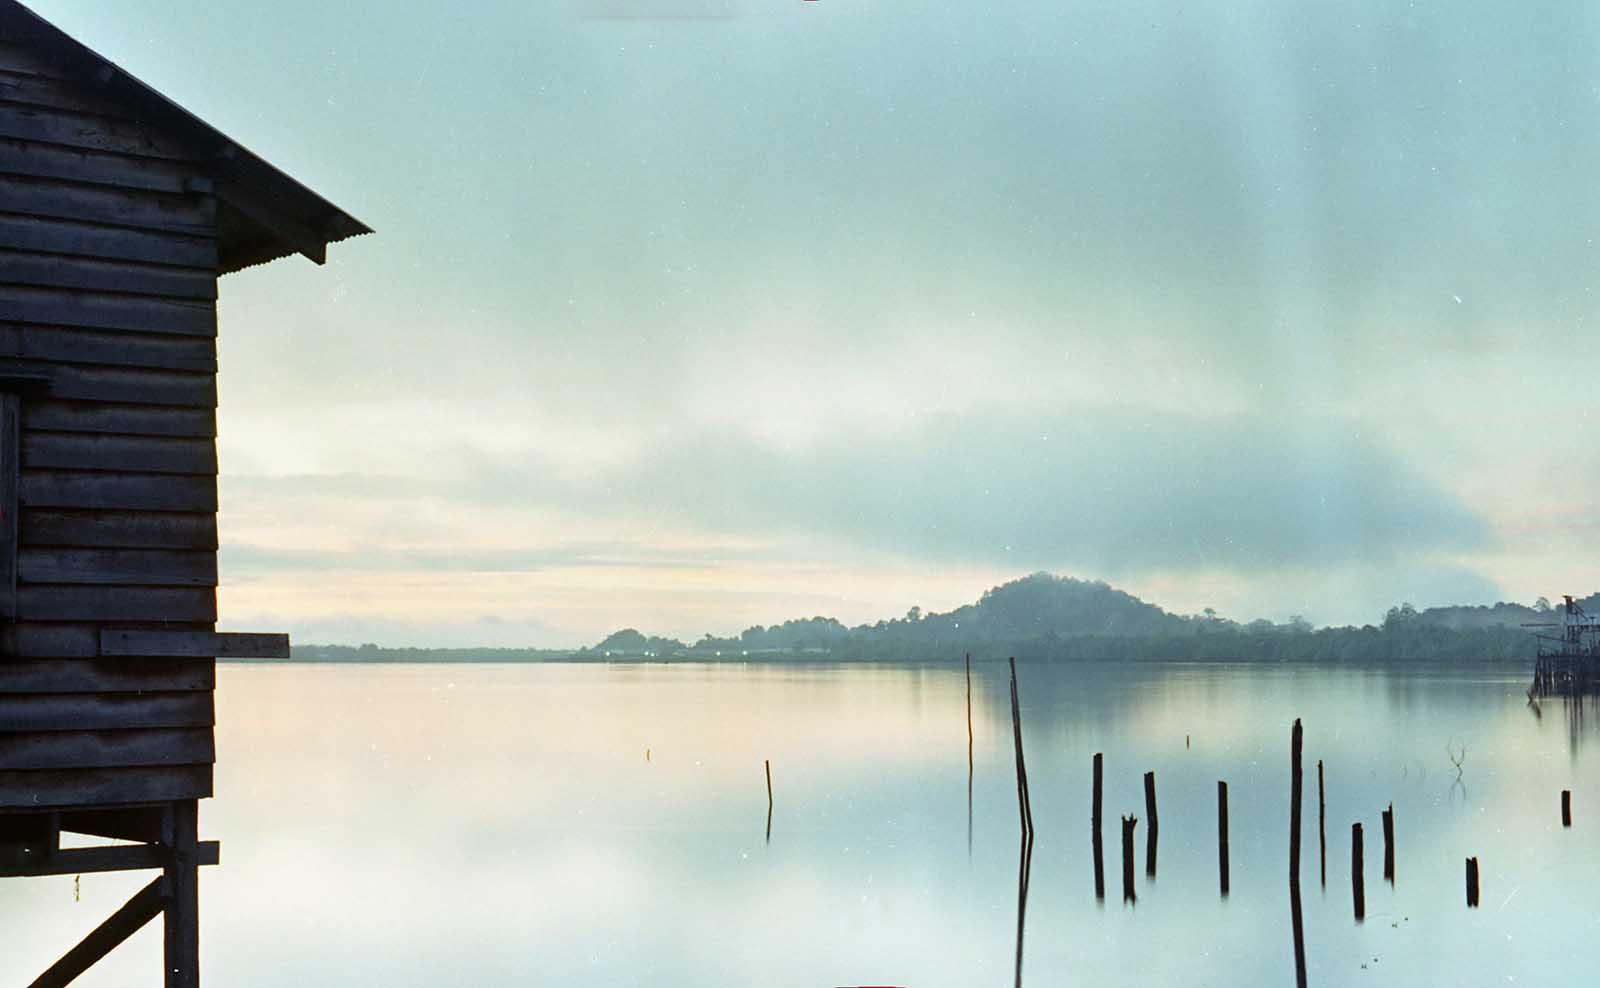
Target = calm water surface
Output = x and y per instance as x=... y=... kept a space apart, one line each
x=503 y=825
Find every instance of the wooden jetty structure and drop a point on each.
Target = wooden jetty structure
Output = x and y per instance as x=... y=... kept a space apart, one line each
x=119 y=211
x=1568 y=663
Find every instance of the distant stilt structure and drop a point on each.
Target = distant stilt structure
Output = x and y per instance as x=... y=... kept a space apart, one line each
x=1568 y=664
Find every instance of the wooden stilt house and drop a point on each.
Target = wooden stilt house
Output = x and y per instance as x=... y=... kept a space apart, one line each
x=118 y=212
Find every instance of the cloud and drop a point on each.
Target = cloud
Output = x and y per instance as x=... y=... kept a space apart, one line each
x=1106 y=494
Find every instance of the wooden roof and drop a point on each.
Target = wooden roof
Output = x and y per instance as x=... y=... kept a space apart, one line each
x=264 y=214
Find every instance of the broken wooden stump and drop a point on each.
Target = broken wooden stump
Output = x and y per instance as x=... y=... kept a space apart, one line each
x=1358 y=878
x=1222 y=835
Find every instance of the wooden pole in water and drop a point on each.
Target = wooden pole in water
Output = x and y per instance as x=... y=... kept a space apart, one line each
x=1566 y=807
x=1295 y=739
x=1358 y=878
x=1128 y=824
x=1388 y=844
x=969 y=755
x=1094 y=805
x=1153 y=829
x=1322 y=828
x=1024 y=803
x=969 y=720
x=1472 y=883
x=1222 y=834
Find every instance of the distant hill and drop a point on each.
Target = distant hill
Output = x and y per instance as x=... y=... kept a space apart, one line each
x=1035 y=606
x=1054 y=618
x=1502 y=615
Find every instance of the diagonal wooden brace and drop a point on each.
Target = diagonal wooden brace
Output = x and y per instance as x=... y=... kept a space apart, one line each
x=122 y=924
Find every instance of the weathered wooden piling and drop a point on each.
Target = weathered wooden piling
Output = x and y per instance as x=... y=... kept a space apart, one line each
x=1388 y=844
x=1472 y=883
x=1322 y=826
x=1152 y=830
x=1566 y=807
x=1094 y=826
x=1094 y=805
x=1295 y=741
x=1358 y=878
x=1222 y=835
x=1024 y=803
x=969 y=755
x=1128 y=825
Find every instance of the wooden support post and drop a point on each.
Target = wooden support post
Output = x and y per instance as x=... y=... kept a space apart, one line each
x=1472 y=883
x=1322 y=827
x=121 y=925
x=1153 y=826
x=182 y=943
x=1128 y=825
x=1222 y=834
x=1388 y=844
x=1358 y=878
x=1295 y=739
x=1566 y=807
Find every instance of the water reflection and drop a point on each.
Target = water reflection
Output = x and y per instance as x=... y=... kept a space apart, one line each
x=376 y=819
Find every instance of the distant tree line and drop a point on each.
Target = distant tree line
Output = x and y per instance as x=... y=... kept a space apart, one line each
x=1052 y=618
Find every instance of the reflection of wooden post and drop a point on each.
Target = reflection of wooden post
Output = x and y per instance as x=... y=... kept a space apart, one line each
x=1358 y=878
x=1128 y=823
x=768 y=762
x=1566 y=807
x=1222 y=834
x=1099 y=868
x=1322 y=829
x=1154 y=825
x=1472 y=883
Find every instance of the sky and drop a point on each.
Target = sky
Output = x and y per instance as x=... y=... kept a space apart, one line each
x=689 y=315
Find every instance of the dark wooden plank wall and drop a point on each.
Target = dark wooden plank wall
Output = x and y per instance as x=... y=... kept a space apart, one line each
x=108 y=273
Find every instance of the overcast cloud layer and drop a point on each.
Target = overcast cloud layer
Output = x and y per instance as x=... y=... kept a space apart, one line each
x=695 y=314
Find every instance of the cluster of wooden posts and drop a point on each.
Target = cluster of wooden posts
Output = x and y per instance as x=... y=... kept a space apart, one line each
x=1130 y=824
x=1153 y=825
